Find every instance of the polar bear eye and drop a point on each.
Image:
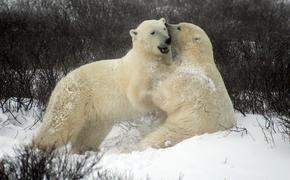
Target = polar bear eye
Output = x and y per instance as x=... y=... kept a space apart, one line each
x=152 y=33
x=196 y=38
x=164 y=29
x=179 y=28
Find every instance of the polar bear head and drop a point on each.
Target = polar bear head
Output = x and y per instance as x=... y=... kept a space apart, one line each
x=151 y=37
x=190 y=39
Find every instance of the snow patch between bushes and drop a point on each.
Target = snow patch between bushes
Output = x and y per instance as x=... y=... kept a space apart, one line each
x=223 y=155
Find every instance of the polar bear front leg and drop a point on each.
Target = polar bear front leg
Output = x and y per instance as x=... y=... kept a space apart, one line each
x=177 y=127
x=165 y=135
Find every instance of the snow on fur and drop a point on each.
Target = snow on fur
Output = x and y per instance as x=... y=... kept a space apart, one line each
x=198 y=73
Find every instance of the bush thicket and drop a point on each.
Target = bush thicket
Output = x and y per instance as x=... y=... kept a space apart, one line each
x=42 y=40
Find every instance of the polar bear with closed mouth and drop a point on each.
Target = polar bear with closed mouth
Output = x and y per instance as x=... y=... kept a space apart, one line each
x=194 y=96
x=86 y=103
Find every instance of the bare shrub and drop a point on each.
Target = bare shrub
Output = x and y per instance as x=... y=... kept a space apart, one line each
x=42 y=40
x=28 y=164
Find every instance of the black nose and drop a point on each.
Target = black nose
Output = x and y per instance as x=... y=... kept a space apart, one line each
x=168 y=41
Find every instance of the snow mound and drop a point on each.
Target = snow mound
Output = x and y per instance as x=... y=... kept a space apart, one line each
x=223 y=155
x=247 y=152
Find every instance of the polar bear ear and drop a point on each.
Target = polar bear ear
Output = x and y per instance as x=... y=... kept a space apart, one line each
x=163 y=20
x=133 y=33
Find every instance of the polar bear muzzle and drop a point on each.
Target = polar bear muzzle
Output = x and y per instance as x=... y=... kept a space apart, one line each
x=163 y=50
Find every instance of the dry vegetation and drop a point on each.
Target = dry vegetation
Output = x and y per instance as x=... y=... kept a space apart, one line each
x=42 y=40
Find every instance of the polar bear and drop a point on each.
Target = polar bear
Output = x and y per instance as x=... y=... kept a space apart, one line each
x=194 y=96
x=87 y=102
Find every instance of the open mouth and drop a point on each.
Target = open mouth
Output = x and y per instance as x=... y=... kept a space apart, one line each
x=163 y=50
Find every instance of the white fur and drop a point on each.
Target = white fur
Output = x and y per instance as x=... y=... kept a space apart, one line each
x=87 y=102
x=194 y=96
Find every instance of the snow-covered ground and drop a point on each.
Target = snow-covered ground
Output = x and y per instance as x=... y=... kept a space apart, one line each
x=254 y=154
x=17 y=128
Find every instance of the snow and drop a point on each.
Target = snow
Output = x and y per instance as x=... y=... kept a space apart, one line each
x=222 y=155
x=17 y=128
x=257 y=153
